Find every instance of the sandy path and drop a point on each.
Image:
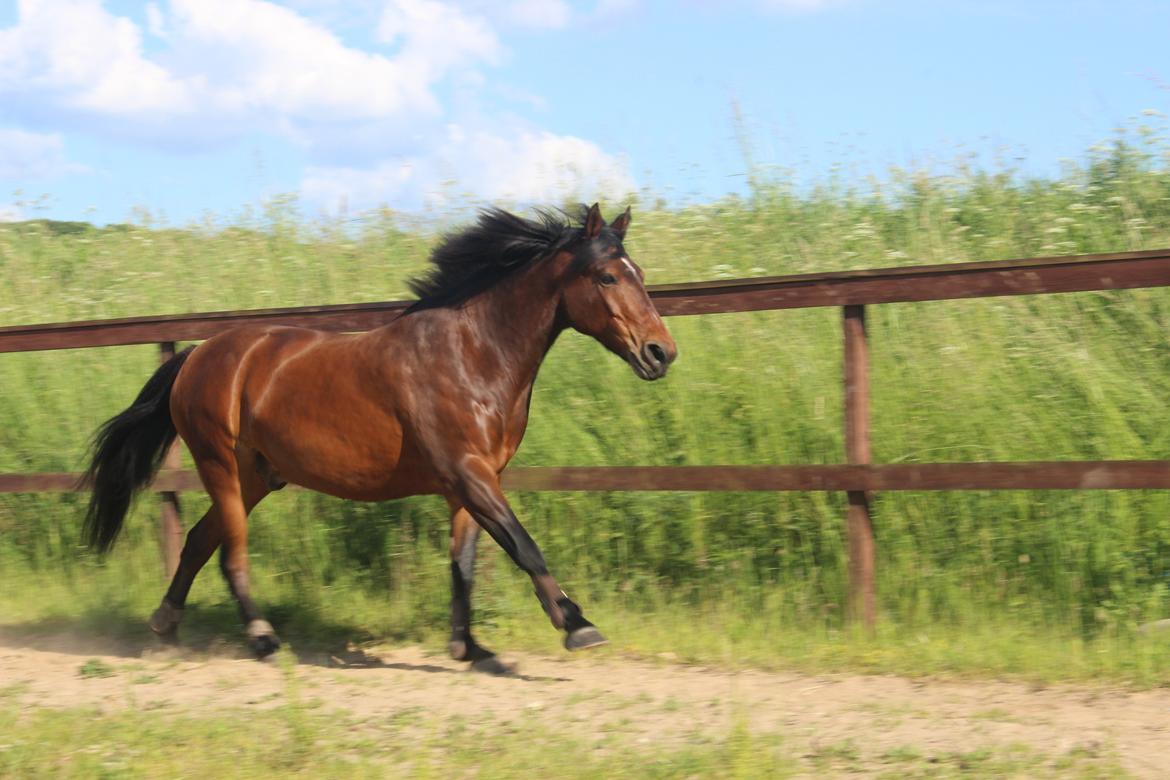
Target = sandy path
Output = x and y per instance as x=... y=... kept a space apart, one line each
x=647 y=703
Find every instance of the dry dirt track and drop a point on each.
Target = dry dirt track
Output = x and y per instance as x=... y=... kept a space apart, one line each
x=655 y=703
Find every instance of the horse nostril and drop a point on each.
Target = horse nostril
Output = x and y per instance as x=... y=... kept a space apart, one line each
x=655 y=354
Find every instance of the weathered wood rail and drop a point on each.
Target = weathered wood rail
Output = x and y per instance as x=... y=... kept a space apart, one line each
x=852 y=291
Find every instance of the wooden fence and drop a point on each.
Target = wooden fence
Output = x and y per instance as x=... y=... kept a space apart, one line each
x=852 y=291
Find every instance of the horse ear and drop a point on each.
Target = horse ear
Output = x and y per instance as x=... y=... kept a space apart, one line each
x=593 y=222
x=620 y=224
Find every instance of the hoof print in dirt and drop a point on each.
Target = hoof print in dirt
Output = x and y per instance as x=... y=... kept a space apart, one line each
x=583 y=638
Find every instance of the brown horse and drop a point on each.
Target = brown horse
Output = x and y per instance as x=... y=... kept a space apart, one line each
x=434 y=402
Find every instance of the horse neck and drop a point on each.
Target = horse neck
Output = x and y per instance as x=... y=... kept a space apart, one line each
x=516 y=325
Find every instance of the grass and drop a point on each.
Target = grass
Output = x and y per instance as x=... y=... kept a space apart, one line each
x=1048 y=585
x=95 y=668
x=291 y=739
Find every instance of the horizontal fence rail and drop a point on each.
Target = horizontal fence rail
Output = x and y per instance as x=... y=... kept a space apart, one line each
x=1079 y=273
x=1052 y=475
x=850 y=290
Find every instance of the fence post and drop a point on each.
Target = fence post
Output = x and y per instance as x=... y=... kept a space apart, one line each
x=170 y=522
x=860 y=527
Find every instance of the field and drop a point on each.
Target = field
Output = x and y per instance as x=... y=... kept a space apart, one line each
x=1039 y=586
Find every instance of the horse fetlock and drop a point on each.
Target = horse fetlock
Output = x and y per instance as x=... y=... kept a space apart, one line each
x=551 y=597
x=553 y=610
x=165 y=620
x=573 y=619
x=259 y=627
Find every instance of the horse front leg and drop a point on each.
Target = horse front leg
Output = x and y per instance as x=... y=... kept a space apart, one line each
x=478 y=490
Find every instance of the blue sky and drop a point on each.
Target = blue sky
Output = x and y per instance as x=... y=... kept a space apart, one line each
x=185 y=107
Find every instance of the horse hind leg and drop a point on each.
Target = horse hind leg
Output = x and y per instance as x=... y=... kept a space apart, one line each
x=236 y=490
x=246 y=489
x=202 y=540
x=235 y=487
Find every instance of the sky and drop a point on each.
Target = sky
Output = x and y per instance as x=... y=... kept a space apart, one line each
x=185 y=108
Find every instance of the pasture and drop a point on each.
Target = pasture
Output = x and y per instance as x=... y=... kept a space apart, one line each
x=1043 y=587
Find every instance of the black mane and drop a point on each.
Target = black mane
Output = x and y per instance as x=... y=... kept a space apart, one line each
x=467 y=262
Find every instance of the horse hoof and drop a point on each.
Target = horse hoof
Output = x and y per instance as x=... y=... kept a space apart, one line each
x=264 y=646
x=468 y=650
x=165 y=621
x=584 y=637
x=492 y=665
x=262 y=639
x=169 y=639
x=459 y=650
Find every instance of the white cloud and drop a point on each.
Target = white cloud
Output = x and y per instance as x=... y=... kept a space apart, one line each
x=155 y=21
x=258 y=57
x=10 y=212
x=25 y=155
x=76 y=54
x=436 y=37
x=338 y=188
x=371 y=123
x=543 y=167
x=517 y=166
x=235 y=62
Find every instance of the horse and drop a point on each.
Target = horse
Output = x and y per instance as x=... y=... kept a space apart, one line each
x=434 y=402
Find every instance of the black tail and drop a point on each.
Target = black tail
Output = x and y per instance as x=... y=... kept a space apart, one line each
x=127 y=452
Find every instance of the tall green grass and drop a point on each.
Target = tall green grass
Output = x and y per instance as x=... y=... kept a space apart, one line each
x=1044 y=576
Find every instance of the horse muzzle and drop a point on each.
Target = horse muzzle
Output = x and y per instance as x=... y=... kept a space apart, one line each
x=652 y=360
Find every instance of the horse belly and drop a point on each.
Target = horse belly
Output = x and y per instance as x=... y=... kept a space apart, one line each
x=323 y=450
x=366 y=465
x=335 y=441
x=382 y=486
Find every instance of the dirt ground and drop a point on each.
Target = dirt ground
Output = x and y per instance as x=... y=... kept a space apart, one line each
x=659 y=703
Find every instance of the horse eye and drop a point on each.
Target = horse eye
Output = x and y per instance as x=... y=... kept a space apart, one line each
x=608 y=279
